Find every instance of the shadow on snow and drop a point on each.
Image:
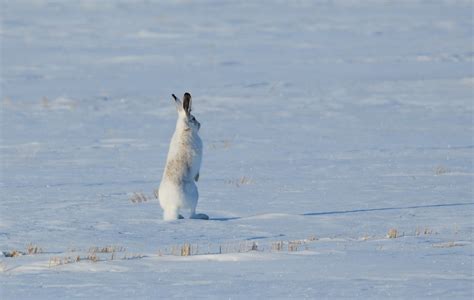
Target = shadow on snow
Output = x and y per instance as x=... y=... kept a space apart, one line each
x=341 y=212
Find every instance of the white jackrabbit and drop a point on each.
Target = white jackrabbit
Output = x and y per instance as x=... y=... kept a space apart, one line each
x=178 y=188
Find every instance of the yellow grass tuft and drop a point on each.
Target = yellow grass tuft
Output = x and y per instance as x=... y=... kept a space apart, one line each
x=293 y=245
x=392 y=233
x=33 y=249
x=13 y=253
x=186 y=250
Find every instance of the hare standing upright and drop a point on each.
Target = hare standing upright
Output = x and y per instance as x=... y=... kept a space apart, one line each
x=178 y=188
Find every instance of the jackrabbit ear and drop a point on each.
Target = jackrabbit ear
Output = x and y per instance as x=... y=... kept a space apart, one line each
x=187 y=102
x=179 y=105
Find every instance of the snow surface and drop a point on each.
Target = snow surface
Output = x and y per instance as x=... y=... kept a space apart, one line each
x=325 y=124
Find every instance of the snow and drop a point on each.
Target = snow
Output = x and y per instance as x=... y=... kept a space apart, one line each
x=325 y=124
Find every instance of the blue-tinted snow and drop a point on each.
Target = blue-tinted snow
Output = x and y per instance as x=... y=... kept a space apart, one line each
x=335 y=120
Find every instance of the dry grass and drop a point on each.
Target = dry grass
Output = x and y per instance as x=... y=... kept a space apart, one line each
x=110 y=253
x=277 y=246
x=131 y=256
x=441 y=170
x=449 y=245
x=180 y=250
x=392 y=233
x=91 y=257
x=293 y=245
x=33 y=249
x=107 y=249
x=244 y=180
x=13 y=253
x=254 y=247
x=138 y=197
x=57 y=261
x=424 y=231
x=186 y=250
x=95 y=254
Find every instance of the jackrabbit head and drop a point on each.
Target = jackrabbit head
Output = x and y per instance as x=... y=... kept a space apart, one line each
x=184 y=112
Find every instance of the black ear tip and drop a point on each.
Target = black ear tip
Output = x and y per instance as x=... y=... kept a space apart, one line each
x=187 y=95
x=174 y=96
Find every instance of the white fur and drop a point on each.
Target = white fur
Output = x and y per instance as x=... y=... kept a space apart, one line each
x=178 y=189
